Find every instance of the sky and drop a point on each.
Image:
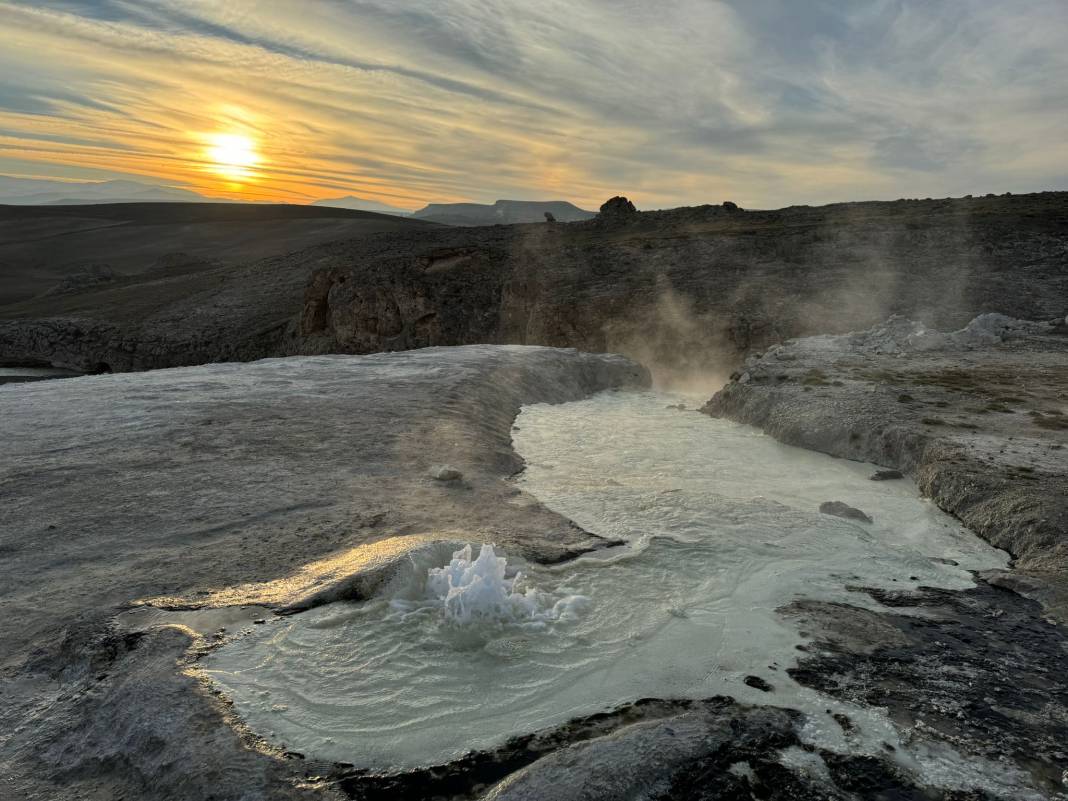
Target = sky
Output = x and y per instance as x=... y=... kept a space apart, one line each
x=766 y=103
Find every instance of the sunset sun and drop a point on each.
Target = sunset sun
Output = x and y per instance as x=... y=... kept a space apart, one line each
x=232 y=155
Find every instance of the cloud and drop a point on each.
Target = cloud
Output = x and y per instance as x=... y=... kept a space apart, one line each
x=766 y=102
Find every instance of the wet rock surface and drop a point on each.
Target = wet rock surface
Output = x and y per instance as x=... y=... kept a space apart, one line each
x=887 y=475
x=981 y=671
x=216 y=487
x=658 y=750
x=971 y=415
x=844 y=510
x=115 y=716
x=965 y=413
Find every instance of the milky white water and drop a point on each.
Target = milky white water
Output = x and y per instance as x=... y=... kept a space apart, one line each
x=722 y=528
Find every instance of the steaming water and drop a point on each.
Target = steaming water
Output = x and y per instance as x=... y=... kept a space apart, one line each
x=722 y=528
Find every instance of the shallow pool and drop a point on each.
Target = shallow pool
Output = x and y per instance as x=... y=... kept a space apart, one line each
x=722 y=528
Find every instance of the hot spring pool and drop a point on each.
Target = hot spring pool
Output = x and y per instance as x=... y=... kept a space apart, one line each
x=721 y=528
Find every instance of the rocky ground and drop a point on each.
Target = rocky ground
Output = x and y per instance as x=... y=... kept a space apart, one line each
x=681 y=290
x=152 y=513
x=276 y=481
x=219 y=494
x=978 y=417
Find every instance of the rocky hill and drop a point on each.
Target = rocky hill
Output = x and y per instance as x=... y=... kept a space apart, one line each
x=685 y=290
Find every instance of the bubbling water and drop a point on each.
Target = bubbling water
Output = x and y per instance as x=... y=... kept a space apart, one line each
x=721 y=530
x=477 y=592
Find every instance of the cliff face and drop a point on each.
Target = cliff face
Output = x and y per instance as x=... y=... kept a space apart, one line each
x=689 y=289
x=693 y=288
x=446 y=295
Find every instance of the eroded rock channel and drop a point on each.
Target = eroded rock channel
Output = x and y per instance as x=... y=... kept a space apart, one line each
x=300 y=618
x=796 y=654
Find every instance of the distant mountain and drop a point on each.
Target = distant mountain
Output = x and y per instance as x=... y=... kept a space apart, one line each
x=358 y=203
x=503 y=211
x=43 y=192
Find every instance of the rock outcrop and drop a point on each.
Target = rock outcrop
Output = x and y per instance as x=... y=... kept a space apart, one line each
x=617 y=206
x=976 y=416
x=86 y=277
x=844 y=510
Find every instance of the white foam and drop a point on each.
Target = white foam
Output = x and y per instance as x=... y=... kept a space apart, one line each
x=722 y=529
x=478 y=592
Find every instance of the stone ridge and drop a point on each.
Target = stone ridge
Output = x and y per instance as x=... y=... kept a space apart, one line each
x=976 y=417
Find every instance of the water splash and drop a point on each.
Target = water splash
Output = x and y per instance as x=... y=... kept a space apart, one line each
x=474 y=592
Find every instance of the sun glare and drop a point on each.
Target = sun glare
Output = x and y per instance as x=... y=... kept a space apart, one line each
x=233 y=155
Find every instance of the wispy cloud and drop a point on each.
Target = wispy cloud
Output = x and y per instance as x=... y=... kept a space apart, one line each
x=767 y=102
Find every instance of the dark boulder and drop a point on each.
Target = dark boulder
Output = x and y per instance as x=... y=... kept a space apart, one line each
x=618 y=206
x=758 y=683
x=839 y=509
x=886 y=475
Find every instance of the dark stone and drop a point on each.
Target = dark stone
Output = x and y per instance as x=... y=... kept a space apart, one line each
x=981 y=667
x=839 y=509
x=738 y=735
x=617 y=206
x=476 y=771
x=844 y=721
x=729 y=206
x=887 y=475
x=758 y=683
x=88 y=276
